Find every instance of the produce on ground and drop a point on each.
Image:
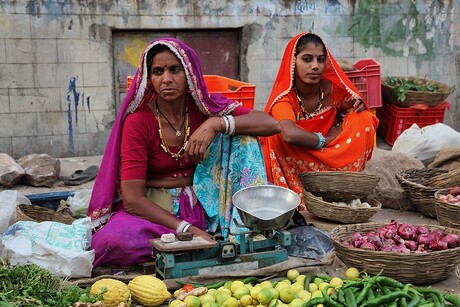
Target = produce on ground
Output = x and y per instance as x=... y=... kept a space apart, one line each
x=403 y=238
x=31 y=285
x=305 y=290
x=453 y=196
x=148 y=290
x=115 y=292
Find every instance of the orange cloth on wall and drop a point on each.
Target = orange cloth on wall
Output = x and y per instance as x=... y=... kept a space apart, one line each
x=348 y=152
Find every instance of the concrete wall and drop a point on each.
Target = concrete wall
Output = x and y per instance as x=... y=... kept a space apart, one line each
x=57 y=91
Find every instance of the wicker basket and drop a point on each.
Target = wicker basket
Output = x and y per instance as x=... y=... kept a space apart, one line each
x=447 y=214
x=339 y=186
x=457 y=272
x=41 y=214
x=421 y=196
x=430 y=99
x=347 y=215
x=414 y=268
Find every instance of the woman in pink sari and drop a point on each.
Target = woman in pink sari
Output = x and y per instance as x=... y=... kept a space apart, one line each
x=166 y=165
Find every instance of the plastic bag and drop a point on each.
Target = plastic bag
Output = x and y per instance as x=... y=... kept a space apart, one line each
x=61 y=249
x=78 y=203
x=309 y=242
x=425 y=143
x=9 y=199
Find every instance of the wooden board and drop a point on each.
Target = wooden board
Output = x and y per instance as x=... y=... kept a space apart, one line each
x=198 y=242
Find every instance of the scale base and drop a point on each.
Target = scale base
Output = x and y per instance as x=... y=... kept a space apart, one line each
x=251 y=261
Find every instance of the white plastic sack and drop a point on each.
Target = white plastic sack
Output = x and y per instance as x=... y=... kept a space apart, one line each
x=79 y=202
x=424 y=143
x=9 y=199
x=62 y=249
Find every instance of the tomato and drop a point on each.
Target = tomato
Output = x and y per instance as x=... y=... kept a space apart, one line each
x=188 y=287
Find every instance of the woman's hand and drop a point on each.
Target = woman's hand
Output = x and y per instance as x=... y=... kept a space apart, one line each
x=198 y=232
x=350 y=104
x=200 y=140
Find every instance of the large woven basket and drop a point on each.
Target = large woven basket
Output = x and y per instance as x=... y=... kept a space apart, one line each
x=339 y=186
x=41 y=214
x=421 y=197
x=447 y=214
x=343 y=214
x=414 y=268
x=457 y=272
x=430 y=99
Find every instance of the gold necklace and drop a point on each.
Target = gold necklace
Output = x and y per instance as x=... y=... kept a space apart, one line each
x=318 y=106
x=178 y=131
x=164 y=145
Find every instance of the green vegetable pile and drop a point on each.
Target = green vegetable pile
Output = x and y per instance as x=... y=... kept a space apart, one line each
x=31 y=285
x=382 y=291
x=403 y=85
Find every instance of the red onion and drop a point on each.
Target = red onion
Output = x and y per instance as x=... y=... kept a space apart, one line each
x=422 y=230
x=368 y=246
x=401 y=248
x=425 y=239
x=439 y=244
x=410 y=244
x=452 y=240
x=407 y=231
x=375 y=240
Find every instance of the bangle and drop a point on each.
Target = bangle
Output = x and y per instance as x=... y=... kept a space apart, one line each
x=186 y=227
x=231 y=123
x=321 y=140
x=182 y=225
x=227 y=124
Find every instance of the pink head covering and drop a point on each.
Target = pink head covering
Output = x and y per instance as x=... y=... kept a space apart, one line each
x=141 y=91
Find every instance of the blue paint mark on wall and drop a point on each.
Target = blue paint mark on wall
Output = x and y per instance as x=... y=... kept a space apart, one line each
x=73 y=100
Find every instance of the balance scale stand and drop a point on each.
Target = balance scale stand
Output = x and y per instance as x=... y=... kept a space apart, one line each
x=223 y=256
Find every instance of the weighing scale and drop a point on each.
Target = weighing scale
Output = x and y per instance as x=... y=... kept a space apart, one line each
x=203 y=256
x=261 y=245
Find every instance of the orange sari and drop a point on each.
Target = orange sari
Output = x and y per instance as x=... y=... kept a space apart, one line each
x=349 y=151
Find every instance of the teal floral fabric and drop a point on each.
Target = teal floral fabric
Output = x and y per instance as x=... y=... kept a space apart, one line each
x=232 y=163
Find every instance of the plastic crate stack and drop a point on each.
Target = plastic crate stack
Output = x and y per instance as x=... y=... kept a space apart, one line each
x=394 y=119
x=367 y=80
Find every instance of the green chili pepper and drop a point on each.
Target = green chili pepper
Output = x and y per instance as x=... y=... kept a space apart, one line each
x=414 y=301
x=363 y=294
x=329 y=300
x=315 y=301
x=341 y=295
x=428 y=291
x=453 y=299
x=251 y=280
x=384 y=299
x=388 y=281
x=350 y=298
x=427 y=305
x=309 y=277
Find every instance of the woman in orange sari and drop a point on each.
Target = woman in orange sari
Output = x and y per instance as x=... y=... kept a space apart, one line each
x=325 y=126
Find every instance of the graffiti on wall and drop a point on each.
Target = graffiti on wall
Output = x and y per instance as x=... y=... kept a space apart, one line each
x=74 y=97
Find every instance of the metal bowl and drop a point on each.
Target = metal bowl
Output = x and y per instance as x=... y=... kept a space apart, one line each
x=265 y=207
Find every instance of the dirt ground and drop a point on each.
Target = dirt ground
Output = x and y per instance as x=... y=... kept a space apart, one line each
x=69 y=165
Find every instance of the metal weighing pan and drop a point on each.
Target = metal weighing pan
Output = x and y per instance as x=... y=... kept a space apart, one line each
x=265 y=207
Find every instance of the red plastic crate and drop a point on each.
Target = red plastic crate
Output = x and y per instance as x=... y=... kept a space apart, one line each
x=232 y=89
x=367 y=80
x=394 y=120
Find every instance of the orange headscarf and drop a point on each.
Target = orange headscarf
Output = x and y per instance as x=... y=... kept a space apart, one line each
x=350 y=149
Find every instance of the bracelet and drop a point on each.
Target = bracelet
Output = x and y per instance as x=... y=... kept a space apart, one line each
x=321 y=140
x=187 y=227
x=182 y=225
x=232 y=126
x=227 y=124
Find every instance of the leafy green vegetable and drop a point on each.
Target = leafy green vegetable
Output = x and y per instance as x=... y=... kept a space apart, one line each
x=31 y=285
x=402 y=85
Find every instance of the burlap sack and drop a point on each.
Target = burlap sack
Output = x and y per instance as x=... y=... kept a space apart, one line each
x=385 y=164
x=448 y=159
